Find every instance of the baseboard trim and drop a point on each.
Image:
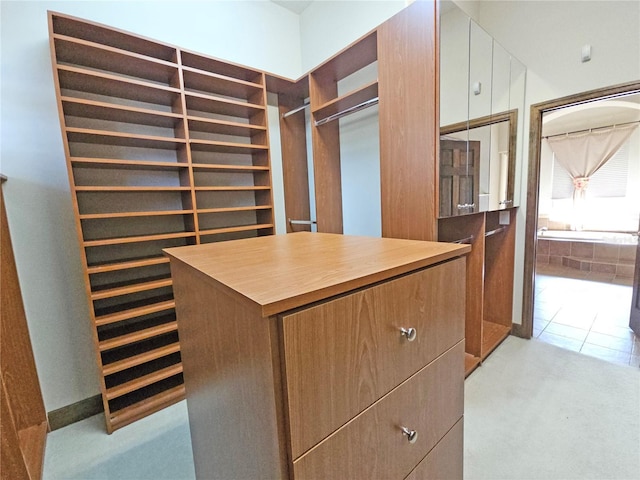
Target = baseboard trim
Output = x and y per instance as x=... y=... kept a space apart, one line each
x=75 y=412
x=518 y=330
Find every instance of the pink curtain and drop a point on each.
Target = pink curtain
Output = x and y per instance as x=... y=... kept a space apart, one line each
x=582 y=155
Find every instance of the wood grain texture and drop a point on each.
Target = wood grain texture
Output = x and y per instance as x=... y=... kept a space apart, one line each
x=409 y=132
x=295 y=172
x=464 y=227
x=325 y=141
x=498 y=270
x=22 y=396
x=443 y=462
x=338 y=353
x=227 y=353
x=306 y=267
x=430 y=402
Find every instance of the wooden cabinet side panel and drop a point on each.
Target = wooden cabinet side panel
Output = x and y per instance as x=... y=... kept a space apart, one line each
x=17 y=364
x=372 y=445
x=227 y=355
x=408 y=113
x=445 y=461
x=343 y=355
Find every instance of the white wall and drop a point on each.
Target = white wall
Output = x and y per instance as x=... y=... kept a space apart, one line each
x=547 y=37
x=255 y=33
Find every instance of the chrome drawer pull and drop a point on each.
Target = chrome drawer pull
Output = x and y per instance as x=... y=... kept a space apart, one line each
x=409 y=333
x=412 y=435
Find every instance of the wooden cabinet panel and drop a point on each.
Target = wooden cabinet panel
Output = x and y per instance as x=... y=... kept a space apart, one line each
x=343 y=355
x=430 y=402
x=443 y=462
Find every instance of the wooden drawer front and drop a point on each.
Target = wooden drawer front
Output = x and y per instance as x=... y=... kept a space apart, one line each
x=372 y=445
x=343 y=355
x=445 y=460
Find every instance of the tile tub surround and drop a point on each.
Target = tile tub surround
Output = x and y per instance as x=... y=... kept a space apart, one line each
x=606 y=258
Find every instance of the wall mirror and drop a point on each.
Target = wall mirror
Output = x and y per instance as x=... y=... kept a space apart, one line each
x=482 y=89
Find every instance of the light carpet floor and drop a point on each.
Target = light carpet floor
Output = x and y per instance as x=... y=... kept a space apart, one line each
x=532 y=411
x=536 y=411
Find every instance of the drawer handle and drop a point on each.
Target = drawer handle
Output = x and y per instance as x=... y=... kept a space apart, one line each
x=409 y=333
x=412 y=435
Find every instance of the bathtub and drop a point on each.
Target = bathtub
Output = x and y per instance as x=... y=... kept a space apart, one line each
x=602 y=252
x=586 y=236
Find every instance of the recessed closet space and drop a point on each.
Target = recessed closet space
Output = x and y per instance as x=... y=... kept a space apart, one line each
x=481 y=132
x=164 y=148
x=344 y=95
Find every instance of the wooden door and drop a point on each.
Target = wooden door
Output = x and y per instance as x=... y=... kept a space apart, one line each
x=634 y=320
x=459 y=177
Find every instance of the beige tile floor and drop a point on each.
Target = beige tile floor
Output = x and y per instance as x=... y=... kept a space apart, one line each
x=585 y=312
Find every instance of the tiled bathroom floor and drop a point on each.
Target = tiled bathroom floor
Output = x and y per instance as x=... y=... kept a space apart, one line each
x=585 y=312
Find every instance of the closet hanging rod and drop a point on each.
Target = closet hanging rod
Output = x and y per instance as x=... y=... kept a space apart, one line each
x=302 y=222
x=295 y=110
x=466 y=240
x=495 y=231
x=347 y=111
x=591 y=129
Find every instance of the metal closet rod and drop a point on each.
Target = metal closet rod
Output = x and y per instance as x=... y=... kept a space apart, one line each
x=347 y=111
x=295 y=110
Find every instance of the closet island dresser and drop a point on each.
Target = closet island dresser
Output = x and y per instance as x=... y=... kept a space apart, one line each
x=326 y=356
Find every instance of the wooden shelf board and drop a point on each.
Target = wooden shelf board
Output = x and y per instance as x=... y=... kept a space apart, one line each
x=217 y=84
x=77 y=107
x=83 y=80
x=101 y=137
x=242 y=228
x=233 y=209
x=141 y=358
x=233 y=188
x=134 y=312
x=134 y=337
x=143 y=381
x=350 y=59
x=159 y=213
x=141 y=409
x=132 y=288
x=349 y=100
x=226 y=147
x=229 y=168
x=471 y=362
x=210 y=103
x=85 y=53
x=135 y=239
x=32 y=444
x=208 y=125
x=492 y=335
x=115 y=266
x=117 y=188
x=112 y=163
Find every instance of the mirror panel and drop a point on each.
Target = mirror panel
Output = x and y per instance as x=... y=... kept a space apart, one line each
x=479 y=147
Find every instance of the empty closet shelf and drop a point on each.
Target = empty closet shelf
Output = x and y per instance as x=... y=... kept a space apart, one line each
x=137 y=336
x=131 y=288
x=134 y=312
x=124 y=265
x=113 y=163
x=141 y=358
x=143 y=381
x=139 y=238
x=85 y=135
x=226 y=147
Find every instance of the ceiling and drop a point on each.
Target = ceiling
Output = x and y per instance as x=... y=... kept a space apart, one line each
x=294 y=6
x=601 y=113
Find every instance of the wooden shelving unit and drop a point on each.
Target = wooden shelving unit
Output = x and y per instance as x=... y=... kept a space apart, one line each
x=164 y=147
x=489 y=278
x=402 y=52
